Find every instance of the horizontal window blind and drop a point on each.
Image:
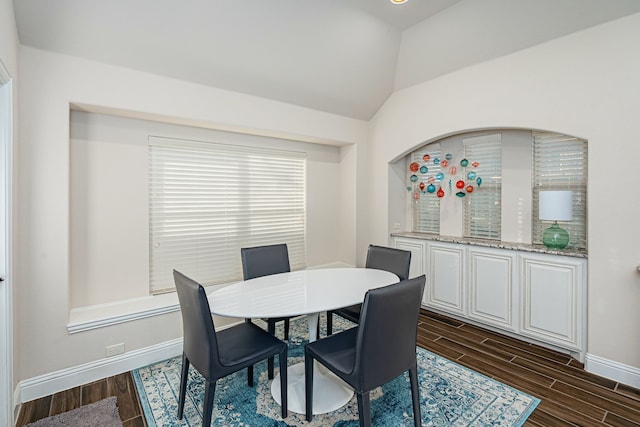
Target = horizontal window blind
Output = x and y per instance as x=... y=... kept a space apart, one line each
x=426 y=209
x=560 y=163
x=208 y=200
x=482 y=214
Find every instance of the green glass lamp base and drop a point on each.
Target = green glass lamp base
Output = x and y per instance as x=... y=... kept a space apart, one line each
x=555 y=237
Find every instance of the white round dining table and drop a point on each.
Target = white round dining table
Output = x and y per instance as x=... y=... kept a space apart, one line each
x=303 y=292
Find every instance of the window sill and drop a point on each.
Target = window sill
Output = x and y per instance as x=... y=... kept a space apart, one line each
x=83 y=319
x=97 y=316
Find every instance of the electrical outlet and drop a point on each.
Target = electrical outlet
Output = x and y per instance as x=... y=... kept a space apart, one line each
x=396 y=226
x=113 y=350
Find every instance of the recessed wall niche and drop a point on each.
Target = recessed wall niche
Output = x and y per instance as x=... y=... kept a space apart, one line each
x=109 y=218
x=517 y=184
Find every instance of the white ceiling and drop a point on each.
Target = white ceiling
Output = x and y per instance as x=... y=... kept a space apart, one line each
x=341 y=56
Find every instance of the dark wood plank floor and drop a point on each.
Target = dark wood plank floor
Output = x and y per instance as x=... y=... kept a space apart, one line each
x=569 y=395
x=121 y=386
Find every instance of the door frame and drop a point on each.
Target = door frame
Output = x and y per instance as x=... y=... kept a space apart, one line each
x=7 y=403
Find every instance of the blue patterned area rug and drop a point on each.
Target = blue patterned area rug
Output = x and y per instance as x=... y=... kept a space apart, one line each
x=451 y=395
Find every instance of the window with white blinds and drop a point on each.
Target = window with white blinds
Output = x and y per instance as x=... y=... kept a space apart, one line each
x=482 y=214
x=560 y=163
x=208 y=200
x=426 y=209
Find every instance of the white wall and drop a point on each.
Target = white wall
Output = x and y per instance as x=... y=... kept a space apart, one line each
x=8 y=37
x=8 y=298
x=109 y=227
x=585 y=85
x=49 y=84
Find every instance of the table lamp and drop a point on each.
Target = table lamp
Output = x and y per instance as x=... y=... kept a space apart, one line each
x=555 y=206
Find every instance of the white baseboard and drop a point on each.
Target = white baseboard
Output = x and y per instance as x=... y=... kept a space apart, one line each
x=613 y=370
x=65 y=379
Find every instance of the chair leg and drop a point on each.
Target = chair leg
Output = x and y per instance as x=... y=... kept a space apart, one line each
x=308 y=385
x=184 y=375
x=282 y=361
x=250 y=369
x=415 y=396
x=250 y=376
x=207 y=407
x=271 y=328
x=364 y=409
x=329 y=323
x=286 y=329
x=270 y=367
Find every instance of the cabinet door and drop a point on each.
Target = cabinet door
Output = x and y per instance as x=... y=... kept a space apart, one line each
x=492 y=287
x=416 y=247
x=445 y=280
x=553 y=306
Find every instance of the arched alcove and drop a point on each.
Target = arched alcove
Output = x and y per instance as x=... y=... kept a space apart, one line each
x=519 y=182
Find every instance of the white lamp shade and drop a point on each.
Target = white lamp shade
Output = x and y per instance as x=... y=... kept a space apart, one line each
x=556 y=205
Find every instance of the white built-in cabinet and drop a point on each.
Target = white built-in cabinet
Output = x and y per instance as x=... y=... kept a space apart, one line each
x=445 y=278
x=493 y=290
x=416 y=247
x=537 y=297
x=554 y=299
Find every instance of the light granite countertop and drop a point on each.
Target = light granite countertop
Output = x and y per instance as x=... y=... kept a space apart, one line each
x=525 y=247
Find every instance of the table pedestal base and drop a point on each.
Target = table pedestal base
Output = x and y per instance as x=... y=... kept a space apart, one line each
x=329 y=391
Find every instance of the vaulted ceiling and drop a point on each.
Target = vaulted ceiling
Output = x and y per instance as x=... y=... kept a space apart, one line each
x=340 y=56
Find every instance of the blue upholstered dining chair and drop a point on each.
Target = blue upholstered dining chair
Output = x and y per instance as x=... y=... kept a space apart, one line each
x=218 y=354
x=382 y=347
x=396 y=261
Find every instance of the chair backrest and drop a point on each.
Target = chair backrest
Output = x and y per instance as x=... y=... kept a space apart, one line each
x=200 y=343
x=264 y=260
x=393 y=260
x=386 y=342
